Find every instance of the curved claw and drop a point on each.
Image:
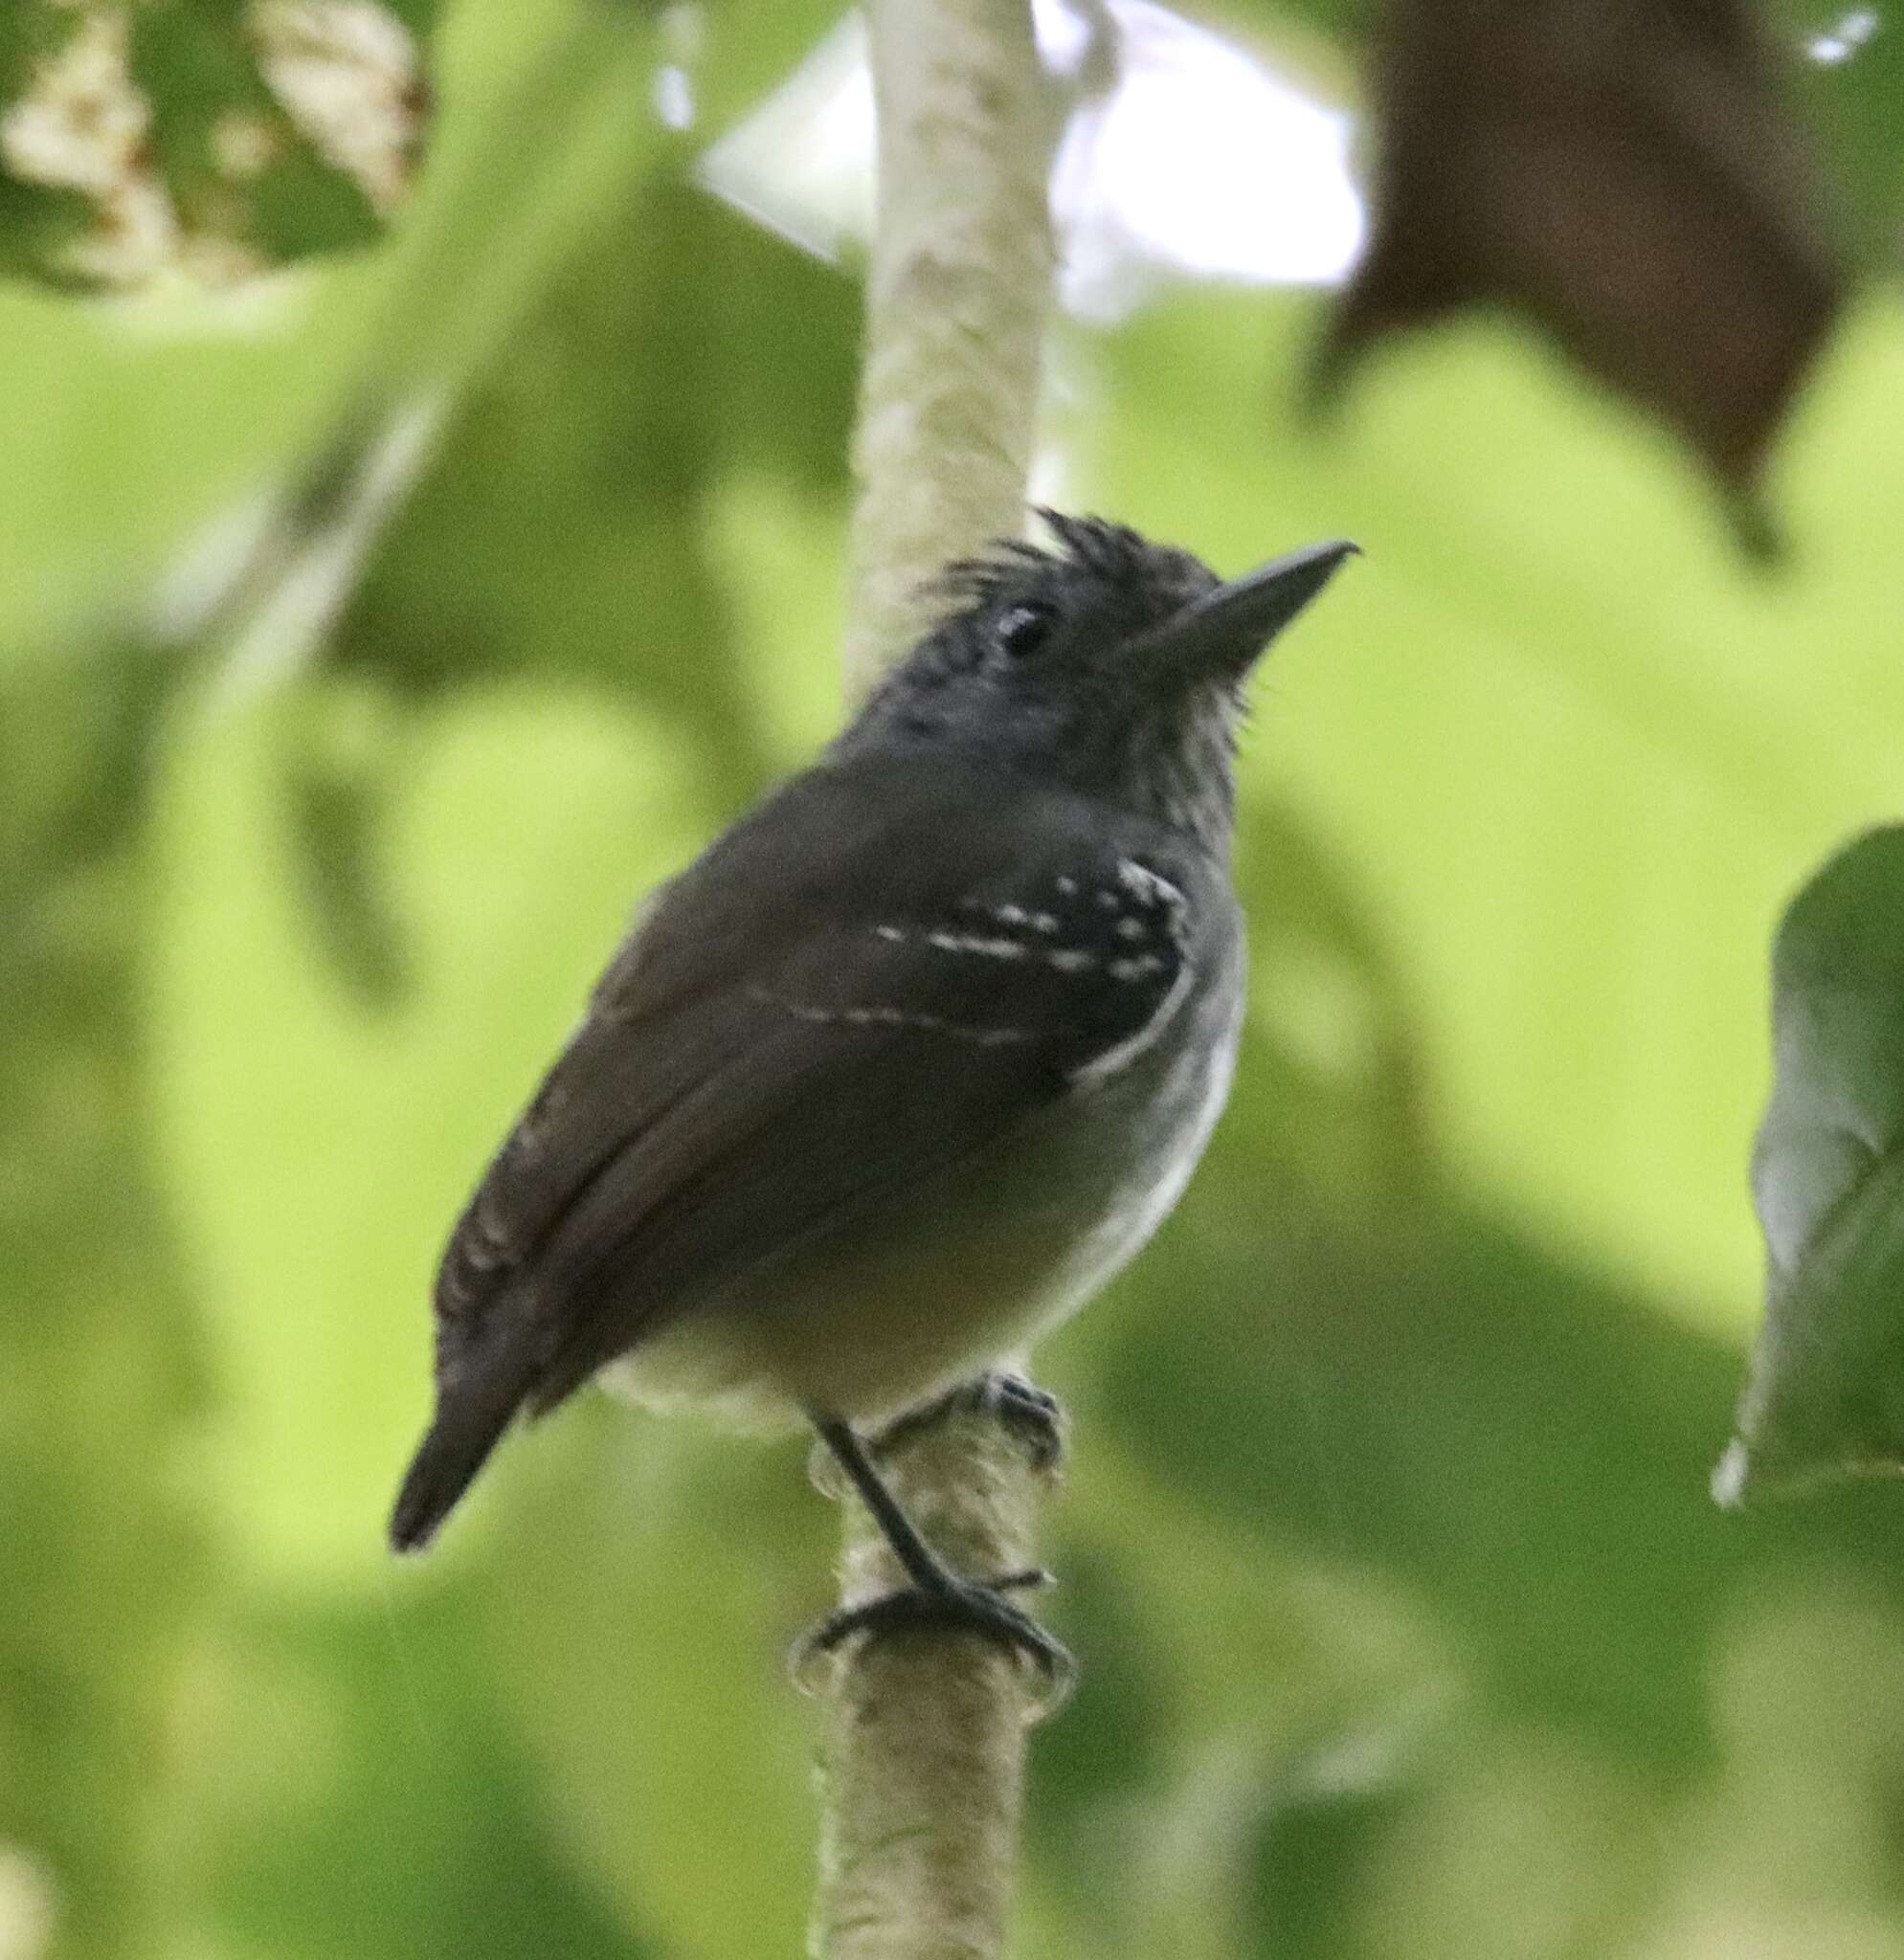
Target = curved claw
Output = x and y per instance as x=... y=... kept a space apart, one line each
x=1036 y=1418
x=1013 y=1582
x=976 y=1608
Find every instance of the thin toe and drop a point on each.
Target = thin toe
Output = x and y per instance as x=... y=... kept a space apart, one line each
x=1024 y=1581
x=975 y=1608
x=1035 y=1418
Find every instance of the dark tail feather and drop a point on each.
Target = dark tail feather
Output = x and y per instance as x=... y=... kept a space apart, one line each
x=471 y=1417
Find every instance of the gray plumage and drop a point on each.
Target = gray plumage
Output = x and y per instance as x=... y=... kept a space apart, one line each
x=916 y=1054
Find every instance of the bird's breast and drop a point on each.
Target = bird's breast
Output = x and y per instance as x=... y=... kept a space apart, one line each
x=1132 y=1141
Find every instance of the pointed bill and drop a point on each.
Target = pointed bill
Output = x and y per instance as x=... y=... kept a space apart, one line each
x=1224 y=633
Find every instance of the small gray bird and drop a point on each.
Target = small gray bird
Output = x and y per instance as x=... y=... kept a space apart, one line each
x=910 y=1060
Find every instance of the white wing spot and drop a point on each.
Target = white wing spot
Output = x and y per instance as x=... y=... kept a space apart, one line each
x=1132 y=928
x=974 y=943
x=892 y=1017
x=1146 y=886
x=1138 y=969
x=1015 y=915
x=1115 y=1061
x=891 y=932
x=1069 y=960
x=1067 y=887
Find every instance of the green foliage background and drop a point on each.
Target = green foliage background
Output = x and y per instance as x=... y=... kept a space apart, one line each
x=1409 y=1630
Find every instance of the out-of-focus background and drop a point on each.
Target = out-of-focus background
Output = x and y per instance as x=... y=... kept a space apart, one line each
x=373 y=632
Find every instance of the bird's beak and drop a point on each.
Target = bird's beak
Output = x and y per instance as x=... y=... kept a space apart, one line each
x=1219 y=636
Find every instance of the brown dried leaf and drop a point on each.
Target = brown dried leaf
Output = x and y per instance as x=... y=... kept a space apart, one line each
x=1628 y=174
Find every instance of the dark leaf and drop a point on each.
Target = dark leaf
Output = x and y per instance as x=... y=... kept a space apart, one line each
x=1630 y=177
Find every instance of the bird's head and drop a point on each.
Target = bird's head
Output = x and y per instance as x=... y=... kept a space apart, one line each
x=1100 y=662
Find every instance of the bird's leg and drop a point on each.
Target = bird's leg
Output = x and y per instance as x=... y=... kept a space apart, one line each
x=1037 y=1419
x=937 y=1596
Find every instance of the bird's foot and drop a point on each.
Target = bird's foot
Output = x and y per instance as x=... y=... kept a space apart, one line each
x=1037 y=1419
x=958 y=1605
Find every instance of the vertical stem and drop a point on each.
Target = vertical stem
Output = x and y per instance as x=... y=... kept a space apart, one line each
x=957 y=294
x=923 y=1748
x=922 y=1767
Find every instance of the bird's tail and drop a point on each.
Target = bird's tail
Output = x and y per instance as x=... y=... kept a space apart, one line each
x=471 y=1418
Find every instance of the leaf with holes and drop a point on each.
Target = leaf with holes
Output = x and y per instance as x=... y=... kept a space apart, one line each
x=218 y=140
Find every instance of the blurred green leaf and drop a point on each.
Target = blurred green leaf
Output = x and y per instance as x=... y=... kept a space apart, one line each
x=416 y=1826
x=523 y=828
x=208 y=419
x=616 y=406
x=40 y=226
x=213 y=138
x=1849 y=73
x=1826 y=1391
x=1568 y=757
x=656 y=1580
x=339 y=778
x=1221 y=1672
x=1333 y=1813
x=100 y=1367
x=737 y=52
x=1348 y=20
x=1449 y=1403
x=1837 y=1103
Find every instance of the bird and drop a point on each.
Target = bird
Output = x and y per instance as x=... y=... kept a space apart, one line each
x=908 y=1062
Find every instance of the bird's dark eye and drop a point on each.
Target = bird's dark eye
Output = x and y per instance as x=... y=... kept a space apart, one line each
x=1021 y=630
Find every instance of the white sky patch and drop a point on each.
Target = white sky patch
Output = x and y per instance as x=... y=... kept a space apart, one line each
x=674 y=96
x=1203 y=162
x=1200 y=163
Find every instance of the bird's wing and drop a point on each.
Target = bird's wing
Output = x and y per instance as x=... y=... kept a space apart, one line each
x=807 y=1019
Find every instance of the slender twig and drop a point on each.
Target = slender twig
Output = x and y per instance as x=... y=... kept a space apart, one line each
x=957 y=294
x=922 y=1763
x=923 y=1752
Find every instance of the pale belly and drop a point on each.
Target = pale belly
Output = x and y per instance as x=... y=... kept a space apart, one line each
x=978 y=1265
